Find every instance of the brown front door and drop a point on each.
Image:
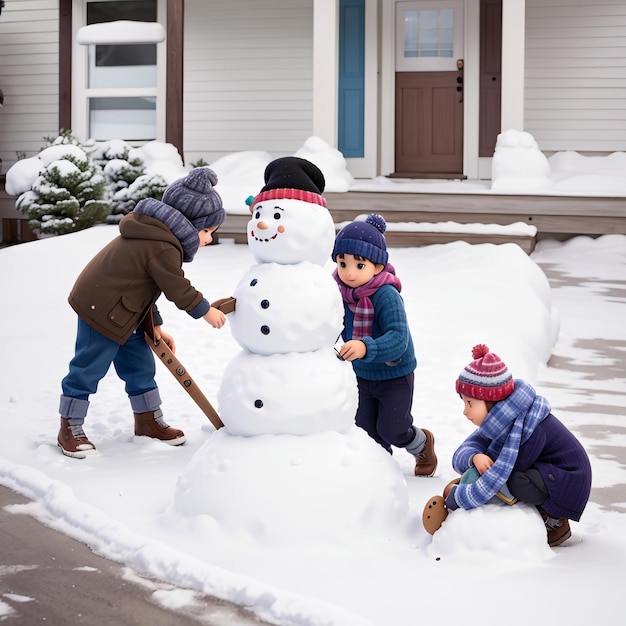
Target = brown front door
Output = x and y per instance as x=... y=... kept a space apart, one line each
x=429 y=89
x=429 y=124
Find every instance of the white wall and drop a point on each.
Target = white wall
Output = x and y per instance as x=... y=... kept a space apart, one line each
x=248 y=77
x=29 y=55
x=575 y=86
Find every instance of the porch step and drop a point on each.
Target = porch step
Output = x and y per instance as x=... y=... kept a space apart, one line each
x=416 y=239
x=234 y=227
x=410 y=234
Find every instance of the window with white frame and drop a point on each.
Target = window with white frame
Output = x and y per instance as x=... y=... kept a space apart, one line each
x=429 y=35
x=121 y=77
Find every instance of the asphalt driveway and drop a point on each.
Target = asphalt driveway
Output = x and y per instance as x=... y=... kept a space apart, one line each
x=47 y=577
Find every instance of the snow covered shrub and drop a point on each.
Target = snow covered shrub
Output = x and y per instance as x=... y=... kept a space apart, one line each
x=124 y=200
x=68 y=193
x=126 y=181
x=92 y=182
x=120 y=169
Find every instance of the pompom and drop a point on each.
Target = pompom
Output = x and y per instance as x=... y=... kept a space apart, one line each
x=479 y=351
x=378 y=221
x=201 y=179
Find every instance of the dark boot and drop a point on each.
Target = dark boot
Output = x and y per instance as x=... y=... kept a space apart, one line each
x=73 y=441
x=426 y=460
x=152 y=424
x=557 y=528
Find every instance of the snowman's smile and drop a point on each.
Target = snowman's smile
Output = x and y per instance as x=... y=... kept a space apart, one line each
x=263 y=238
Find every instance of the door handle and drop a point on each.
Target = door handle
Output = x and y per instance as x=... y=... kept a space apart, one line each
x=459 y=79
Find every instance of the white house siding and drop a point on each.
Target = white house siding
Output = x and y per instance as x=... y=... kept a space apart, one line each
x=575 y=75
x=248 y=81
x=29 y=76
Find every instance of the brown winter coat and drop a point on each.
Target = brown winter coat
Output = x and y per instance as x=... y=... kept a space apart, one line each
x=118 y=286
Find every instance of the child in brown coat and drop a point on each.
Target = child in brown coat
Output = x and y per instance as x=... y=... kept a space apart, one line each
x=118 y=290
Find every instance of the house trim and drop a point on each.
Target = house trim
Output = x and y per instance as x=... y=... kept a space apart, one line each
x=65 y=66
x=174 y=71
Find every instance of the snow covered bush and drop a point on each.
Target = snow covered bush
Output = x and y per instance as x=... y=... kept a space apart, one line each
x=68 y=194
x=126 y=180
x=71 y=185
x=124 y=200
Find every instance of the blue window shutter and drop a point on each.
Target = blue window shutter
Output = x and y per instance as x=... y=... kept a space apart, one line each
x=351 y=122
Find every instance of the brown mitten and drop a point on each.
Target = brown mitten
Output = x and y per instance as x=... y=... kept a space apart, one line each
x=434 y=514
x=225 y=305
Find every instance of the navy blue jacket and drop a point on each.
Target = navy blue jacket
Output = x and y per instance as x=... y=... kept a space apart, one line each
x=561 y=460
x=390 y=352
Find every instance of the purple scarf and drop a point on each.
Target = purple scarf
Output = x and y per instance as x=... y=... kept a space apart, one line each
x=359 y=299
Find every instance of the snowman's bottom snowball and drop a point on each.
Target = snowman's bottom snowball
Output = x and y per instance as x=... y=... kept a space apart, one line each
x=513 y=533
x=286 y=489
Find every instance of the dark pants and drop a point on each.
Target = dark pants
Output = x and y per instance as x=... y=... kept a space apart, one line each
x=528 y=487
x=384 y=410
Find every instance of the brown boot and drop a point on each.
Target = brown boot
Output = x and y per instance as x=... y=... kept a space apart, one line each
x=448 y=487
x=558 y=529
x=426 y=460
x=73 y=441
x=152 y=424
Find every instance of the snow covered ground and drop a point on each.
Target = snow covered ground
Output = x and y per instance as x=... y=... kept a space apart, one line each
x=324 y=569
x=490 y=562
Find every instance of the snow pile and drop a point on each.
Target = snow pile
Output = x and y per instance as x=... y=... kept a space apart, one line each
x=240 y=175
x=288 y=489
x=492 y=533
x=518 y=165
x=330 y=161
x=576 y=173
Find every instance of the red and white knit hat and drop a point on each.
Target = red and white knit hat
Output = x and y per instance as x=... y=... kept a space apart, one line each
x=486 y=377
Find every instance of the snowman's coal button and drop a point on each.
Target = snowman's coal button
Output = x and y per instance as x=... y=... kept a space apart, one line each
x=253 y=282
x=265 y=329
x=265 y=304
x=258 y=403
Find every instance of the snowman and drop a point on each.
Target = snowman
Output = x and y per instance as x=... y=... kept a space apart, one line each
x=287 y=401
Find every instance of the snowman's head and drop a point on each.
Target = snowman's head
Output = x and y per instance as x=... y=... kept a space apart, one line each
x=290 y=231
x=290 y=222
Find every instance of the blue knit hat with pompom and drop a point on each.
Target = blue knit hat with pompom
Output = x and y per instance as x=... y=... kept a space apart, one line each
x=364 y=238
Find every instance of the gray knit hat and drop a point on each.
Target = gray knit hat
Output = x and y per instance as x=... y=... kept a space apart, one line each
x=364 y=238
x=195 y=197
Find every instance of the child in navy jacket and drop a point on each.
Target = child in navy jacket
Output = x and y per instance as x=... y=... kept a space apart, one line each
x=519 y=452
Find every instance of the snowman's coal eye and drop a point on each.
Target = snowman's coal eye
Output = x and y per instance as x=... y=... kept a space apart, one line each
x=265 y=329
x=258 y=404
x=265 y=304
x=253 y=282
x=257 y=215
x=276 y=216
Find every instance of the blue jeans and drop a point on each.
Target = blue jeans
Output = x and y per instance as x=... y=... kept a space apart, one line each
x=94 y=353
